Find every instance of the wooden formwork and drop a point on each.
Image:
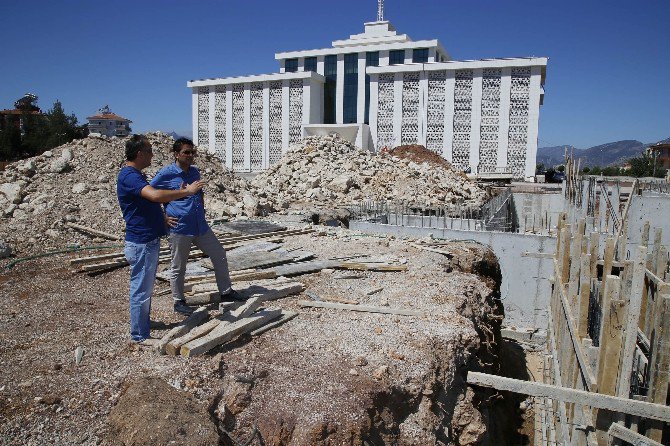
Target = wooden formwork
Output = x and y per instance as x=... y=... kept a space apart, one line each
x=608 y=334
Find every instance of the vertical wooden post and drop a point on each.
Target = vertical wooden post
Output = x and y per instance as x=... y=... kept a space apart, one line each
x=575 y=264
x=608 y=257
x=584 y=296
x=632 y=321
x=565 y=262
x=595 y=250
x=660 y=359
x=645 y=234
x=658 y=232
x=661 y=262
x=614 y=310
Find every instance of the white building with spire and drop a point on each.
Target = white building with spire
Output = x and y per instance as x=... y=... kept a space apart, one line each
x=379 y=89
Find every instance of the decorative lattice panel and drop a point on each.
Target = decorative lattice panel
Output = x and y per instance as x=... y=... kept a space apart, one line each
x=385 y=102
x=294 y=111
x=518 y=121
x=436 y=104
x=238 y=126
x=220 y=122
x=256 y=125
x=462 y=119
x=490 y=124
x=203 y=118
x=275 y=121
x=409 y=130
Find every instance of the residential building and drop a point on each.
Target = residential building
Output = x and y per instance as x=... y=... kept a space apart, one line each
x=107 y=123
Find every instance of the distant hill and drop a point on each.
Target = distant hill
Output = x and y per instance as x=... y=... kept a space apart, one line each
x=608 y=154
x=552 y=156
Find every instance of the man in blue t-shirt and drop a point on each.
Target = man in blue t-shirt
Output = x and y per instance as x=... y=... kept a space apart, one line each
x=188 y=226
x=145 y=225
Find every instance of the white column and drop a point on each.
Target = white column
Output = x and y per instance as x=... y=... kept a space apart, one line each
x=431 y=54
x=397 y=110
x=373 y=110
x=383 y=58
x=449 y=86
x=212 y=124
x=266 y=125
x=476 y=118
x=503 y=117
x=533 y=120
x=282 y=68
x=408 y=55
x=301 y=64
x=247 y=127
x=194 y=114
x=423 y=107
x=306 y=102
x=339 y=90
x=284 y=115
x=319 y=65
x=360 y=100
x=229 y=126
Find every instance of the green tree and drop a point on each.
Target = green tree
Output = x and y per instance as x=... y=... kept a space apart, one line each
x=586 y=169
x=10 y=140
x=61 y=127
x=561 y=168
x=643 y=166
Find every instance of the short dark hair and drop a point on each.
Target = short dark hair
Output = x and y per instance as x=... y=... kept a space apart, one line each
x=181 y=142
x=134 y=145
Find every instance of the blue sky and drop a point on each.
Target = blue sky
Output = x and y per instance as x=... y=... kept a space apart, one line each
x=607 y=78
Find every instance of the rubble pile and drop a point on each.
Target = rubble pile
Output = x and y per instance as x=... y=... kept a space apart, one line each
x=76 y=183
x=329 y=172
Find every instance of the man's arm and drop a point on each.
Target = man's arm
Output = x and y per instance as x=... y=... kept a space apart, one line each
x=163 y=195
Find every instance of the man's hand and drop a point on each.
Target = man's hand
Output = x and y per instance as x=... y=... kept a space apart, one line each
x=194 y=187
x=171 y=221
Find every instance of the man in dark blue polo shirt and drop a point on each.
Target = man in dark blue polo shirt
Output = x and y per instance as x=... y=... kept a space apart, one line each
x=188 y=226
x=145 y=224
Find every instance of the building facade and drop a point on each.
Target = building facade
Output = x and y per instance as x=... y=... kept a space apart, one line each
x=108 y=123
x=379 y=89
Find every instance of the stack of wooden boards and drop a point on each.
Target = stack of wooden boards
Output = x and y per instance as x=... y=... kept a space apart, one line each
x=200 y=333
x=106 y=262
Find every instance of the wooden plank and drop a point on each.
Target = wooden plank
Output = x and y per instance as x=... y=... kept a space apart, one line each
x=296 y=269
x=195 y=319
x=371 y=267
x=271 y=291
x=285 y=317
x=660 y=358
x=610 y=339
x=95 y=232
x=622 y=433
x=608 y=258
x=590 y=380
x=287 y=233
x=173 y=345
x=632 y=319
x=225 y=333
x=581 y=397
x=362 y=308
x=557 y=379
x=431 y=249
x=584 y=296
x=594 y=246
x=565 y=255
x=251 y=260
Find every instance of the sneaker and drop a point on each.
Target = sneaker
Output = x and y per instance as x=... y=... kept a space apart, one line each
x=234 y=296
x=181 y=308
x=149 y=342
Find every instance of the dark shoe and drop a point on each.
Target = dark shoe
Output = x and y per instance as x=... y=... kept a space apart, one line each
x=234 y=296
x=181 y=308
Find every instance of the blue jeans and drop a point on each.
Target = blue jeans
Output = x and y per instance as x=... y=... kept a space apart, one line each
x=143 y=260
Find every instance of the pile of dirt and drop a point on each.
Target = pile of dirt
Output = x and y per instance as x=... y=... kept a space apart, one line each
x=329 y=172
x=76 y=183
x=419 y=154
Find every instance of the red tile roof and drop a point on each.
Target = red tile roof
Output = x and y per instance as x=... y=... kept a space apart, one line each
x=109 y=116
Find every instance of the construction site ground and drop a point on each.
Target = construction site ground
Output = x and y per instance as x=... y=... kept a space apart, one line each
x=326 y=377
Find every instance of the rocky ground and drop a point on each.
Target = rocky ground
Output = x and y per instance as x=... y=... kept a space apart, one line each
x=76 y=183
x=326 y=377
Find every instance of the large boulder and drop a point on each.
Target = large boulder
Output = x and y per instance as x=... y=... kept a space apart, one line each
x=12 y=192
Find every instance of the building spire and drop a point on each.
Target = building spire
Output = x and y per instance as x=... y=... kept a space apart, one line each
x=380 y=10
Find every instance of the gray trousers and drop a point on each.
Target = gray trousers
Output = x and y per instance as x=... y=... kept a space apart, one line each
x=180 y=245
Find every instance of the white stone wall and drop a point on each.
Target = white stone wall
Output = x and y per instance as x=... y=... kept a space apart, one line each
x=478 y=117
x=249 y=125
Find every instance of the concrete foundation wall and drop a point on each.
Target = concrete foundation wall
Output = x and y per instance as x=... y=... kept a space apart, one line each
x=525 y=289
x=533 y=210
x=652 y=208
